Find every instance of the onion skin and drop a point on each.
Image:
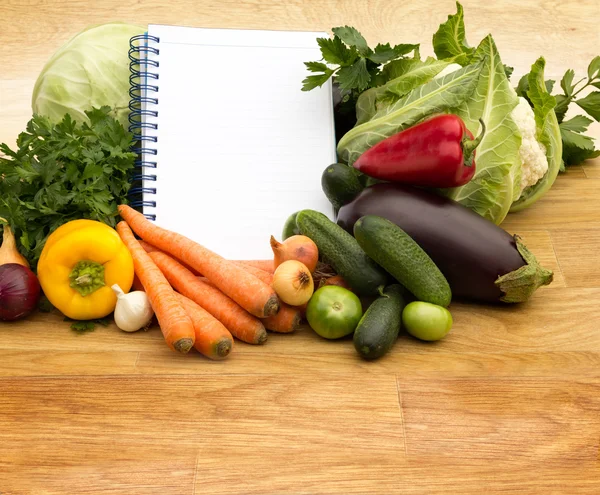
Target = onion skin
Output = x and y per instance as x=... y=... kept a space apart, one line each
x=298 y=248
x=8 y=250
x=19 y=291
x=293 y=283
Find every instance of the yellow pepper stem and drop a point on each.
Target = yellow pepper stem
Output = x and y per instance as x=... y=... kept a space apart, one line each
x=87 y=277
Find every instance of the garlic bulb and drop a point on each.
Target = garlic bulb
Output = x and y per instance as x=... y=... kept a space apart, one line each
x=133 y=311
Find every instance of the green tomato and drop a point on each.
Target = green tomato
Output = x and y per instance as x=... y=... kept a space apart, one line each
x=426 y=321
x=333 y=312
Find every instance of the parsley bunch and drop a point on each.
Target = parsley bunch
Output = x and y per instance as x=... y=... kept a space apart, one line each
x=353 y=65
x=62 y=172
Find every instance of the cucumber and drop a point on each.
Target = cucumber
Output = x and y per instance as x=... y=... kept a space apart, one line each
x=395 y=251
x=342 y=252
x=340 y=184
x=378 y=328
x=290 y=228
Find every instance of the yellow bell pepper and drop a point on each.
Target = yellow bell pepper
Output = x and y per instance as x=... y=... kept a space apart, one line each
x=79 y=264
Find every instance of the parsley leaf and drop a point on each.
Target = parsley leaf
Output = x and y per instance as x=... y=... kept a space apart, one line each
x=62 y=172
x=354 y=66
x=591 y=104
x=353 y=38
x=356 y=76
x=567 y=82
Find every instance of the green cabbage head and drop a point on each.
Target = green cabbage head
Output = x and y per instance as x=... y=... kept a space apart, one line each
x=90 y=70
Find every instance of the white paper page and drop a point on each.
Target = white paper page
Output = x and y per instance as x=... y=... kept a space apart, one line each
x=240 y=146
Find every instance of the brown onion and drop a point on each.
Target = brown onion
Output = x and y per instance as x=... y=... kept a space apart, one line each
x=298 y=248
x=19 y=291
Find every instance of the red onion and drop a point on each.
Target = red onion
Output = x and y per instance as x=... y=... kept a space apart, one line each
x=19 y=291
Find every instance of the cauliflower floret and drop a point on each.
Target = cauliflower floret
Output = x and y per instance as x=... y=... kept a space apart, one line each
x=533 y=153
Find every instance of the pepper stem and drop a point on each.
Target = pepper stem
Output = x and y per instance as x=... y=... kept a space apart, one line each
x=87 y=277
x=469 y=145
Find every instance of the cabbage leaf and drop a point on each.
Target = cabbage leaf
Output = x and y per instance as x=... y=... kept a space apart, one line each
x=497 y=179
x=407 y=75
x=89 y=71
x=436 y=96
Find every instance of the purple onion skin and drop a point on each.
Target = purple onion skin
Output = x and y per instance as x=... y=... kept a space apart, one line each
x=469 y=250
x=19 y=291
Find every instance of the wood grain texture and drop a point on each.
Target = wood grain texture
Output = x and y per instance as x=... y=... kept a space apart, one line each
x=508 y=403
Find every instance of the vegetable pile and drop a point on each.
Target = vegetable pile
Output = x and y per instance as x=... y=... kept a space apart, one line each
x=433 y=154
x=525 y=140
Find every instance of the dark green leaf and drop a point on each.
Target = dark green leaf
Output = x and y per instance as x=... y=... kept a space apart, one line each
x=576 y=146
x=312 y=82
x=335 y=52
x=352 y=37
x=596 y=84
x=591 y=104
x=594 y=68
x=567 y=82
x=508 y=71
x=575 y=155
x=562 y=104
x=83 y=326
x=45 y=306
x=579 y=123
x=354 y=77
x=450 y=40
x=316 y=66
x=384 y=53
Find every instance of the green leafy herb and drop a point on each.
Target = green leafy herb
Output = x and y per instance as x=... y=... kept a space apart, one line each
x=576 y=146
x=61 y=172
x=354 y=66
x=87 y=325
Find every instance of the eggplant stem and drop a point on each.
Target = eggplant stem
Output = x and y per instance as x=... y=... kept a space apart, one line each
x=518 y=285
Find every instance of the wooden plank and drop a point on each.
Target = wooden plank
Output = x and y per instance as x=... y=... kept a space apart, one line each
x=570 y=201
x=515 y=418
x=240 y=424
x=540 y=244
x=578 y=253
x=52 y=363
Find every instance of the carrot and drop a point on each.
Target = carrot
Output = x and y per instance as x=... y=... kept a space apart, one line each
x=241 y=324
x=213 y=340
x=175 y=324
x=253 y=295
x=266 y=265
x=150 y=248
x=288 y=318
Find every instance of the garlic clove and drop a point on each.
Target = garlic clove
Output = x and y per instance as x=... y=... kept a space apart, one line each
x=133 y=310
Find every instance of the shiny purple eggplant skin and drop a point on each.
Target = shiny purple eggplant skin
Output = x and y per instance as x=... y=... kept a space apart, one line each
x=469 y=250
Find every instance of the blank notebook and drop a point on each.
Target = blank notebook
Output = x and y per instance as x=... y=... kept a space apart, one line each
x=231 y=146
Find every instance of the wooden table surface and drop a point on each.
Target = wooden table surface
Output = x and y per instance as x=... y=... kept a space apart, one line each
x=508 y=403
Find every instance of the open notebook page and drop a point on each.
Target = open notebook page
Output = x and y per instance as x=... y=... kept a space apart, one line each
x=240 y=147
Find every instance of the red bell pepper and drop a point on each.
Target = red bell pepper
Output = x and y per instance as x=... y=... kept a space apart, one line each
x=438 y=152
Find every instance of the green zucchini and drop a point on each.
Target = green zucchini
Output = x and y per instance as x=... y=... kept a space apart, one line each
x=340 y=184
x=342 y=252
x=395 y=251
x=378 y=328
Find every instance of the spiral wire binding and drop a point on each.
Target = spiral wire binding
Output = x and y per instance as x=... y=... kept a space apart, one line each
x=142 y=104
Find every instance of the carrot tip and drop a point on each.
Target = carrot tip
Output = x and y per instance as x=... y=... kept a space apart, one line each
x=223 y=348
x=183 y=345
x=262 y=337
x=272 y=306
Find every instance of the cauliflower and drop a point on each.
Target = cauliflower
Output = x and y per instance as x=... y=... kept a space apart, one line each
x=532 y=152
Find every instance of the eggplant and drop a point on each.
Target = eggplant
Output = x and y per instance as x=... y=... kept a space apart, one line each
x=481 y=261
